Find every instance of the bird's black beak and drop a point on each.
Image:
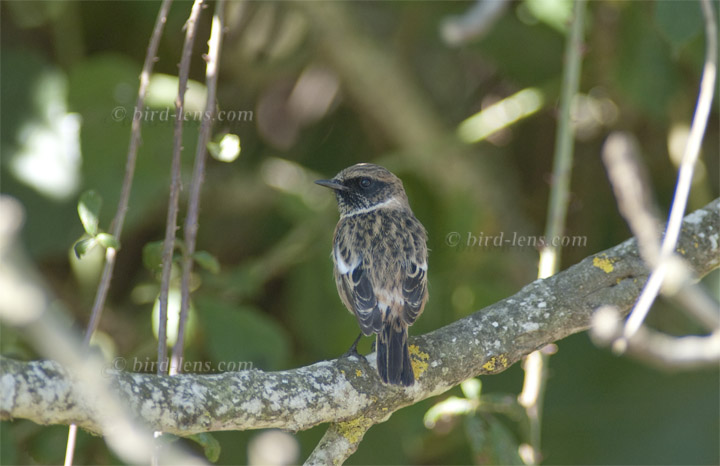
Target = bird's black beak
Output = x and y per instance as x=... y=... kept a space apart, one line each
x=332 y=184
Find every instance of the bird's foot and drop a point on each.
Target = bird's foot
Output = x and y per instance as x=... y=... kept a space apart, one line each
x=353 y=349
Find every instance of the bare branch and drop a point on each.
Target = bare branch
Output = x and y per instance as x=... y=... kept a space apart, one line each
x=117 y=224
x=632 y=192
x=682 y=189
x=660 y=350
x=630 y=182
x=172 y=213
x=340 y=390
x=191 y=221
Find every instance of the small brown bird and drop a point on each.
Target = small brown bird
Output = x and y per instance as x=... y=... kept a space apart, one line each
x=380 y=259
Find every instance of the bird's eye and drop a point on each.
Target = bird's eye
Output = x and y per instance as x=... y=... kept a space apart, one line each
x=365 y=182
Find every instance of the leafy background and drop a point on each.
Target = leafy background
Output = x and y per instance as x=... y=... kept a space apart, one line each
x=67 y=65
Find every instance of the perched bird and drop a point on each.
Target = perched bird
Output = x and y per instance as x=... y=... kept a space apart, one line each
x=380 y=259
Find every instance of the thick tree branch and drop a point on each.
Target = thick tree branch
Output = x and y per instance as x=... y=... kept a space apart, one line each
x=348 y=389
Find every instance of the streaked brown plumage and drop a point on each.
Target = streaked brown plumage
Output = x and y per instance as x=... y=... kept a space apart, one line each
x=380 y=257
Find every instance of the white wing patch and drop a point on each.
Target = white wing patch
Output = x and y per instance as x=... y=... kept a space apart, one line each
x=342 y=266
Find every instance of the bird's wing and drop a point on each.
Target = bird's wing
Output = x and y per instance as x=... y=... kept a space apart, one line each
x=414 y=289
x=356 y=288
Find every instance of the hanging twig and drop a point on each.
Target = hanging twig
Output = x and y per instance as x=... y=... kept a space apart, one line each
x=117 y=224
x=191 y=221
x=172 y=213
x=171 y=222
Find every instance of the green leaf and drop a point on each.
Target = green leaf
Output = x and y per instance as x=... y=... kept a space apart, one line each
x=152 y=255
x=265 y=343
x=644 y=70
x=89 y=210
x=448 y=408
x=227 y=149
x=207 y=261
x=554 y=13
x=678 y=21
x=107 y=240
x=491 y=441
x=209 y=444
x=471 y=388
x=83 y=246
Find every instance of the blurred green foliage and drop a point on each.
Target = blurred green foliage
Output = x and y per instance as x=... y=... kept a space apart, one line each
x=272 y=301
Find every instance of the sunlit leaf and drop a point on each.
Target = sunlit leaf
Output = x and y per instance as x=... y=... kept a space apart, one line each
x=89 y=210
x=448 y=408
x=107 y=240
x=227 y=150
x=471 y=388
x=173 y=316
x=554 y=13
x=83 y=246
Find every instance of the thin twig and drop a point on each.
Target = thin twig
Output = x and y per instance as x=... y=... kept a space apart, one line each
x=563 y=158
x=533 y=393
x=191 y=221
x=635 y=202
x=171 y=222
x=117 y=223
x=629 y=180
x=665 y=352
x=682 y=189
x=70 y=448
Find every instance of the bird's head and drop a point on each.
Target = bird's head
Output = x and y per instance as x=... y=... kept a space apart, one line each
x=365 y=187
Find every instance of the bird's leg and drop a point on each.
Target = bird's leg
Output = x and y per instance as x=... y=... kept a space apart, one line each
x=353 y=349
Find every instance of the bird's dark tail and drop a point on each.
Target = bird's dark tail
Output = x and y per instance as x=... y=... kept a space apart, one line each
x=393 y=357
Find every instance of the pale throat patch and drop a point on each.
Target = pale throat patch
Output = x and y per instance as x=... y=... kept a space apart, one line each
x=391 y=202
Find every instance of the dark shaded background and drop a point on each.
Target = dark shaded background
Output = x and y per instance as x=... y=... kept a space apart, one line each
x=274 y=302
